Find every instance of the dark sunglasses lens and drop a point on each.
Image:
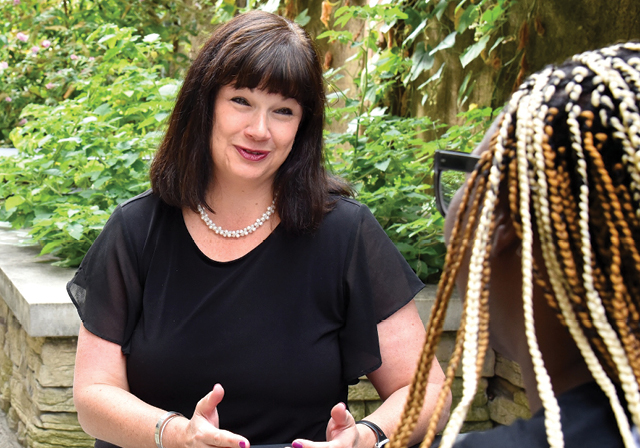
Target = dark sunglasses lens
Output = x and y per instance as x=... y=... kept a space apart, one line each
x=450 y=183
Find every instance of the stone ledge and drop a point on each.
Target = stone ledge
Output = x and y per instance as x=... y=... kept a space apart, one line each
x=34 y=289
x=427 y=297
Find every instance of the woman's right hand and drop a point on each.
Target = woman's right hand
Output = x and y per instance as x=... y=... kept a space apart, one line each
x=203 y=430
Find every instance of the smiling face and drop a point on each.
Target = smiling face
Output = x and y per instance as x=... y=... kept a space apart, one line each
x=253 y=133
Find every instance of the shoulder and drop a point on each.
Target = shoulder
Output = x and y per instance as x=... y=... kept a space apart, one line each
x=346 y=210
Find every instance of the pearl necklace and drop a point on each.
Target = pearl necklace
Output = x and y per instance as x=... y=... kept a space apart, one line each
x=237 y=233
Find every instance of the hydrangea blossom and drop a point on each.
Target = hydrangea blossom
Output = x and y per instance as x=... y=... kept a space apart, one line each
x=22 y=37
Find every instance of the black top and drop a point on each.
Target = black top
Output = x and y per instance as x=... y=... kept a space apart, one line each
x=585 y=415
x=284 y=328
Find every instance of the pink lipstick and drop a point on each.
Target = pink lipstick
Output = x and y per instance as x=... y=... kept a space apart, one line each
x=252 y=155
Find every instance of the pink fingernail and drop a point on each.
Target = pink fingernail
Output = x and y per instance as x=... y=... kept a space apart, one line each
x=296 y=445
x=242 y=444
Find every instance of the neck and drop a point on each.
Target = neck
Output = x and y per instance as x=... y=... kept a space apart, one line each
x=562 y=361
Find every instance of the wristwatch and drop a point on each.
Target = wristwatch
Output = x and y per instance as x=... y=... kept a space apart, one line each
x=382 y=439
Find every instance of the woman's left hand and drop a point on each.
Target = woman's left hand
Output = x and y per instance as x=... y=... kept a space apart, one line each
x=342 y=431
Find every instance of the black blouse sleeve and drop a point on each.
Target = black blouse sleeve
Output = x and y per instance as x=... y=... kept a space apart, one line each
x=379 y=282
x=107 y=289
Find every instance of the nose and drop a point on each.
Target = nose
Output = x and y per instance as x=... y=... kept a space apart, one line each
x=258 y=127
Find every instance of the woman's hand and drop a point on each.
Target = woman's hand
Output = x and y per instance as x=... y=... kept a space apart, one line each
x=342 y=431
x=203 y=430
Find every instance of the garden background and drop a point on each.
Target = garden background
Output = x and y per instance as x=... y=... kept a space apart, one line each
x=86 y=87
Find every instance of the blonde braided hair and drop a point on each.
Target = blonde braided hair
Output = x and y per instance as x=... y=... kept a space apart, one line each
x=568 y=152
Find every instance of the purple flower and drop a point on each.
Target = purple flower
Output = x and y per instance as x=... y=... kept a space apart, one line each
x=50 y=86
x=35 y=49
x=46 y=43
x=22 y=122
x=3 y=65
x=22 y=37
x=8 y=99
x=73 y=57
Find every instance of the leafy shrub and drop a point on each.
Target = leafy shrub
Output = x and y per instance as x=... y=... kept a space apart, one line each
x=81 y=157
x=391 y=167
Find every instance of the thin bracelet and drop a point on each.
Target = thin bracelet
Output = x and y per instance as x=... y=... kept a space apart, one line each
x=381 y=438
x=162 y=423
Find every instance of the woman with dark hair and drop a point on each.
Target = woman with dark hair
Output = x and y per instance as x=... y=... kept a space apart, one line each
x=543 y=241
x=185 y=290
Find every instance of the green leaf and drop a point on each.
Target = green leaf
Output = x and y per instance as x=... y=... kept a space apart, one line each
x=102 y=109
x=161 y=116
x=421 y=60
x=303 y=18
x=168 y=90
x=474 y=51
x=12 y=202
x=447 y=42
x=75 y=230
x=151 y=38
x=382 y=166
x=468 y=17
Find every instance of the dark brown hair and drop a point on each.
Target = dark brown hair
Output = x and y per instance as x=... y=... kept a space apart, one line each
x=253 y=50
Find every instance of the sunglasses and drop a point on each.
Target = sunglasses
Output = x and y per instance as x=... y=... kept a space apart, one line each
x=451 y=168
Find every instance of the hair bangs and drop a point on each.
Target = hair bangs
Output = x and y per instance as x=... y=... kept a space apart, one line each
x=282 y=68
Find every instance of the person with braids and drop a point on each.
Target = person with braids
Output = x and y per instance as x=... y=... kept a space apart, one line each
x=246 y=273
x=544 y=246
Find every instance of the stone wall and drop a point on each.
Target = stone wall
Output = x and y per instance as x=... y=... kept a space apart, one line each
x=500 y=398
x=36 y=379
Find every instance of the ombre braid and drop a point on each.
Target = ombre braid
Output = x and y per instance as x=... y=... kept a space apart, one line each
x=567 y=152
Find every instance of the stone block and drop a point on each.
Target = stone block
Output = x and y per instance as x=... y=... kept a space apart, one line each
x=364 y=390
x=21 y=399
x=477 y=414
x=53 y=399
x=445 y=350
x=371 y=406
x=500 y=387
x=57 y=361
x=509 y=370
x=476 y=426
x=505 y=411
x=52 y=438
x=66 y=421
x=357 y=409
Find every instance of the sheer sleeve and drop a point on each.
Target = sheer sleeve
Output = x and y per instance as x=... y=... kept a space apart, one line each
x=107 y=288
x=379 y=282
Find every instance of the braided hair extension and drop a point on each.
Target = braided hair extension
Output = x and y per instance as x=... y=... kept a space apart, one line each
x=568 y=153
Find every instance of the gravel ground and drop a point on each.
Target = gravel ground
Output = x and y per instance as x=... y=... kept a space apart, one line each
x=7 y=437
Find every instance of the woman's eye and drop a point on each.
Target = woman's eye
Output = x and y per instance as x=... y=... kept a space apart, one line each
x=240 y=100
x=284 y=111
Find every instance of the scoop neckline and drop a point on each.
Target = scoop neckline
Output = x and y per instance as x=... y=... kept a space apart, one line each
x=202 y=255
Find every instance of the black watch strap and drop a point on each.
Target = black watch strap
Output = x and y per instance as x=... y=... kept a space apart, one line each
x=382 y=439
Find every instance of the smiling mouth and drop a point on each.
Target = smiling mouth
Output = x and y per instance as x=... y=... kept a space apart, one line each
x=251 y=154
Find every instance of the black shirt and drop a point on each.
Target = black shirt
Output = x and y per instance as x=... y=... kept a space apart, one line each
x=284 y=328
x=585 y=415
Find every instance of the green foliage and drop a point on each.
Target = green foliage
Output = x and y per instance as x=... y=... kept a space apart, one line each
x=384 y=152
x=81 y=157
x=391 y=166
